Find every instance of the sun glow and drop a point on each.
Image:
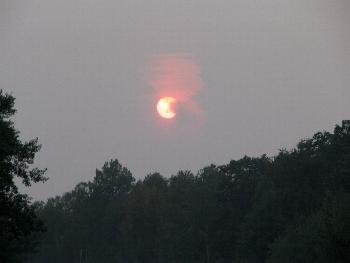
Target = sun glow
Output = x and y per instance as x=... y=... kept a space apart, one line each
x=165 y=107
x=176 y=80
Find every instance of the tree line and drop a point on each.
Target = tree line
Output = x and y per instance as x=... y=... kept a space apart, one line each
x=292 y=207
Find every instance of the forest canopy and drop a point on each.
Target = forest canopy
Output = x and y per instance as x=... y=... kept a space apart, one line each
x=293 y=207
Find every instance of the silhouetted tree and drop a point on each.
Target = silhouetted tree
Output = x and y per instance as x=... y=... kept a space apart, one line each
x=293 y=207
x=18 y=221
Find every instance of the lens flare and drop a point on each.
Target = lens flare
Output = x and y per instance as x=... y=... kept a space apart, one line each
x=165 y=107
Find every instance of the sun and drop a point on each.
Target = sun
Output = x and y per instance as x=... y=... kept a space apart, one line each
x=165 y=107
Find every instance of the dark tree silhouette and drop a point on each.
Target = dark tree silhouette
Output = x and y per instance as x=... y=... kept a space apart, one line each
x=293 y=207
x=18 y=221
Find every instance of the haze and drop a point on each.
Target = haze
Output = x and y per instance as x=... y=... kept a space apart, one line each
x=273 y=72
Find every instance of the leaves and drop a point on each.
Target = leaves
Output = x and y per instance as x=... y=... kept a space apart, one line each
x=19 y=224
x=293 y=207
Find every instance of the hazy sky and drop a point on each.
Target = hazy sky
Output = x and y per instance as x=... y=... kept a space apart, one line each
x=272 y=72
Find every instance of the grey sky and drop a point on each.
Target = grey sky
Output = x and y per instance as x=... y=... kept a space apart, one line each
x=273 y=72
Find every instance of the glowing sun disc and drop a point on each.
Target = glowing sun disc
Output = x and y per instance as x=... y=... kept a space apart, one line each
x=165 y=109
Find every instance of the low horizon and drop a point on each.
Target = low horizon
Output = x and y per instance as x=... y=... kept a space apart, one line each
x=168 y=176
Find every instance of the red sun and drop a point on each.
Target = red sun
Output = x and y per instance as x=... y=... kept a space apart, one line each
x=165 y=107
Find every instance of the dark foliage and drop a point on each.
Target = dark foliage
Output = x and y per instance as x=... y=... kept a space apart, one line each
x=19 y=225
x=290 y=208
